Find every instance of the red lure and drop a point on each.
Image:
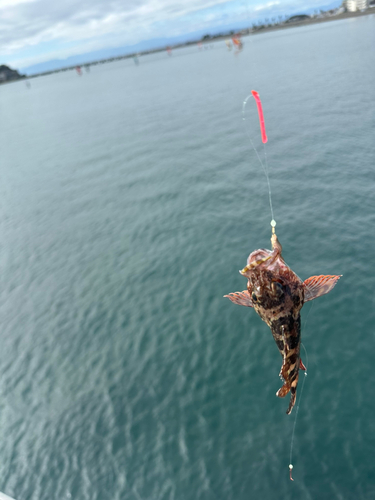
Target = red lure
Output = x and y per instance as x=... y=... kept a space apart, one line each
x=261 y=117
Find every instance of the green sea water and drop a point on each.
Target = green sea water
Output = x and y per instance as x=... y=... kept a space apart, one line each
x=130 y=197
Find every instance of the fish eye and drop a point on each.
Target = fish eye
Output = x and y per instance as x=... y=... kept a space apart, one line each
x=277 y=288
x=254 y=297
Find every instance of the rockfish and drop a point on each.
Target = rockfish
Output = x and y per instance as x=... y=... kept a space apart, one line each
x=277 y=294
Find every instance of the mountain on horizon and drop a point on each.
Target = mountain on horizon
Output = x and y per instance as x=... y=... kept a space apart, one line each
x=98 y=55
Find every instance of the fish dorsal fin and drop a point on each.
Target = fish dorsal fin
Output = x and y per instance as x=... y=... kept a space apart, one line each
x=241 y=298
x=315 y=286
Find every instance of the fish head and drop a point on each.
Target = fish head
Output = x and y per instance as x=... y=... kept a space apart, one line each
x=273 y=287
x=256 y=259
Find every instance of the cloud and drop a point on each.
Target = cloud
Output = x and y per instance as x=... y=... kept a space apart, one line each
x=25 y=23
x=266 y=6
x=12 y=3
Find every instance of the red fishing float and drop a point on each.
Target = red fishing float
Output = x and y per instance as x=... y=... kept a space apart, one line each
x=261 y=117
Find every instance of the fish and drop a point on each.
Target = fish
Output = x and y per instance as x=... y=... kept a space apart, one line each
x=277 y=294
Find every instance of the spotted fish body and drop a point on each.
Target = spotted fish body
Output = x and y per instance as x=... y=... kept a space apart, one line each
x=277 y=294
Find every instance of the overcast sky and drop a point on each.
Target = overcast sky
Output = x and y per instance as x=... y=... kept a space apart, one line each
x=34 y=31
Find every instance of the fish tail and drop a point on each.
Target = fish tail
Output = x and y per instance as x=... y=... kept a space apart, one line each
x=290 y=367
x=291 y=402
x=293 y=381
x=289 y=373
x=285 y=389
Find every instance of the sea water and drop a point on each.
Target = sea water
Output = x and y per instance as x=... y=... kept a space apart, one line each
x=130 y=197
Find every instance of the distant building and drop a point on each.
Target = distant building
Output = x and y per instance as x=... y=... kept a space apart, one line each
x=354 y=5
x=362 y=4
x=351 y=5
x=8 y=75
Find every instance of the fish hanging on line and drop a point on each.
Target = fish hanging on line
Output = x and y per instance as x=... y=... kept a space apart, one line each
x=277 y=294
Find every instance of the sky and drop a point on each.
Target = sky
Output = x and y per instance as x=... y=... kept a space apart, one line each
x=38 y=31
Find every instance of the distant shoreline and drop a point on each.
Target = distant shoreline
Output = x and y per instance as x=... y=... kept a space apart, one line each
x=244 y=32
x=345 y=15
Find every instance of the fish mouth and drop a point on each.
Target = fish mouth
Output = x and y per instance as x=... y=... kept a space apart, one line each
x=254 y=264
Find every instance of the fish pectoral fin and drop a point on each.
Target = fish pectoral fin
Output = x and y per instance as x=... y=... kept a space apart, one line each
x=241 y=298
x=283 y=391
x=315 y=286
x=301 y=365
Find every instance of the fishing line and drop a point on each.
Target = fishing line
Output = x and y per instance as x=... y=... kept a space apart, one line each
x=299 y=402
x=295 y=418
x=273 y=224
x=264 y=139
